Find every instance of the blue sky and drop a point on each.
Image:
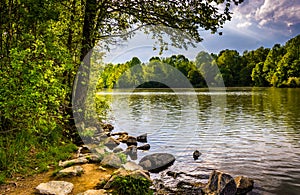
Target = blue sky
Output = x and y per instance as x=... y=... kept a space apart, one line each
x=255 y=23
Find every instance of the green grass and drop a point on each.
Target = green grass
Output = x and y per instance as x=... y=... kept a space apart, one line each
x=25 y=154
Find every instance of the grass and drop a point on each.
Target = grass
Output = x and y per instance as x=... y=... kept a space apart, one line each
x=25 y=154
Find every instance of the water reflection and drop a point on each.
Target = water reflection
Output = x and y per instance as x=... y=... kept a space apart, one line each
x=256 y=132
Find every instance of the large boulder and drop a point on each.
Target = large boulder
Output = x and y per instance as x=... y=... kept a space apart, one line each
x=220 y=183
x=243 y=184
x=157 y=162
x=112 y=160
x=55 y=188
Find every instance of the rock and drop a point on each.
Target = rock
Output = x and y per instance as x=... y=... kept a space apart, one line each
x=85 y=149
x=107 y=127
x=131 y=141
x=157 y=162
x=111 y=143
x=70 y=171
x=123 y=138
x=119 y=133
x=243 y=184
x=55 y=188
x=132 y=152
x=189 y=188
x=220 y=183
x=94 y=158
x=142 y=138
x=94 y=192
x=196 y=154
x=111 y=160
x=144 y=147
x=117 y=150
x=102 y=168
x=100 y=151
x=123 y=173
x=131 y=166
x=81 y=160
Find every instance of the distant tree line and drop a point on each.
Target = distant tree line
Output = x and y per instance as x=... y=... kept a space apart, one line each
x=263 y=67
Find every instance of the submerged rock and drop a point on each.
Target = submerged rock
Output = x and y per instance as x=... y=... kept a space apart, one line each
x=220 y=183
x=243 y=184
x=142 y=138
x=157 y=162
x=55 y=188
x=196 y=154
x=131 y=141
x=144 y=147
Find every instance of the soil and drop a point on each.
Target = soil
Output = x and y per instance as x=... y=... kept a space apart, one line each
x=88 y=180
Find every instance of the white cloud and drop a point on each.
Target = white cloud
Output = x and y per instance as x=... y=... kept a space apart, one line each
x=279 y=15
x=244 y=24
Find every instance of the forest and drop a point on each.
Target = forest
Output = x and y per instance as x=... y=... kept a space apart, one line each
x=43 y=44
x=278 y=66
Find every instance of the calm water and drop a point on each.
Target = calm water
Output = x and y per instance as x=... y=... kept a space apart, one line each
x=253 y=132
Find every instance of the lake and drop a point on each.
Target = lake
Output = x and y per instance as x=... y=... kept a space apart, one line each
x=253 y=132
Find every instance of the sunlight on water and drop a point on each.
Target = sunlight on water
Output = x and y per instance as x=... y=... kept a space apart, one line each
x=253 y=132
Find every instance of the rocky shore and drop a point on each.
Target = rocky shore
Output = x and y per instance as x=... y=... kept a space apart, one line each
x=105 y=153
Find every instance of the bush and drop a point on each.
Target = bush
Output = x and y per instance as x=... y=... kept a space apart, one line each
x=130 y=185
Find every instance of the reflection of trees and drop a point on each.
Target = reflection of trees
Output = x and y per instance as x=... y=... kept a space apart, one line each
x=281 y=107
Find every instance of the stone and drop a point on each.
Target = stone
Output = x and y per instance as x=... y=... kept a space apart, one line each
x=111 y=143
x=107 y=127
x=84 y=149
x=220 y=183
x=132 y=152
x=94 y=158
x=55 y=188
x=157 y=162
x=131 y=166
x=142 y=138
x=100 y=151
x=70 y=171
x=122 y=173
x=94 y=192
x=119 y=133
x=196 y=154
x=81 y=160
x=123 y=138
x=131 y=141
x=117 y=150
x=144 y=147
x=111 y=160
x=243 y=184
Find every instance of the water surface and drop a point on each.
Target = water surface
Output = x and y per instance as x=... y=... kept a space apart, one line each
x=243 y=131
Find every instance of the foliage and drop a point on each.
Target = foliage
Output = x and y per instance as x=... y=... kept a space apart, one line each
x=131 y=185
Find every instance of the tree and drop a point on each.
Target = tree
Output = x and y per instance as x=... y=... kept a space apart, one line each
x=229 y=62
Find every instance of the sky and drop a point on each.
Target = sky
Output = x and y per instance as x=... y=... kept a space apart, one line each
x=254 y=23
